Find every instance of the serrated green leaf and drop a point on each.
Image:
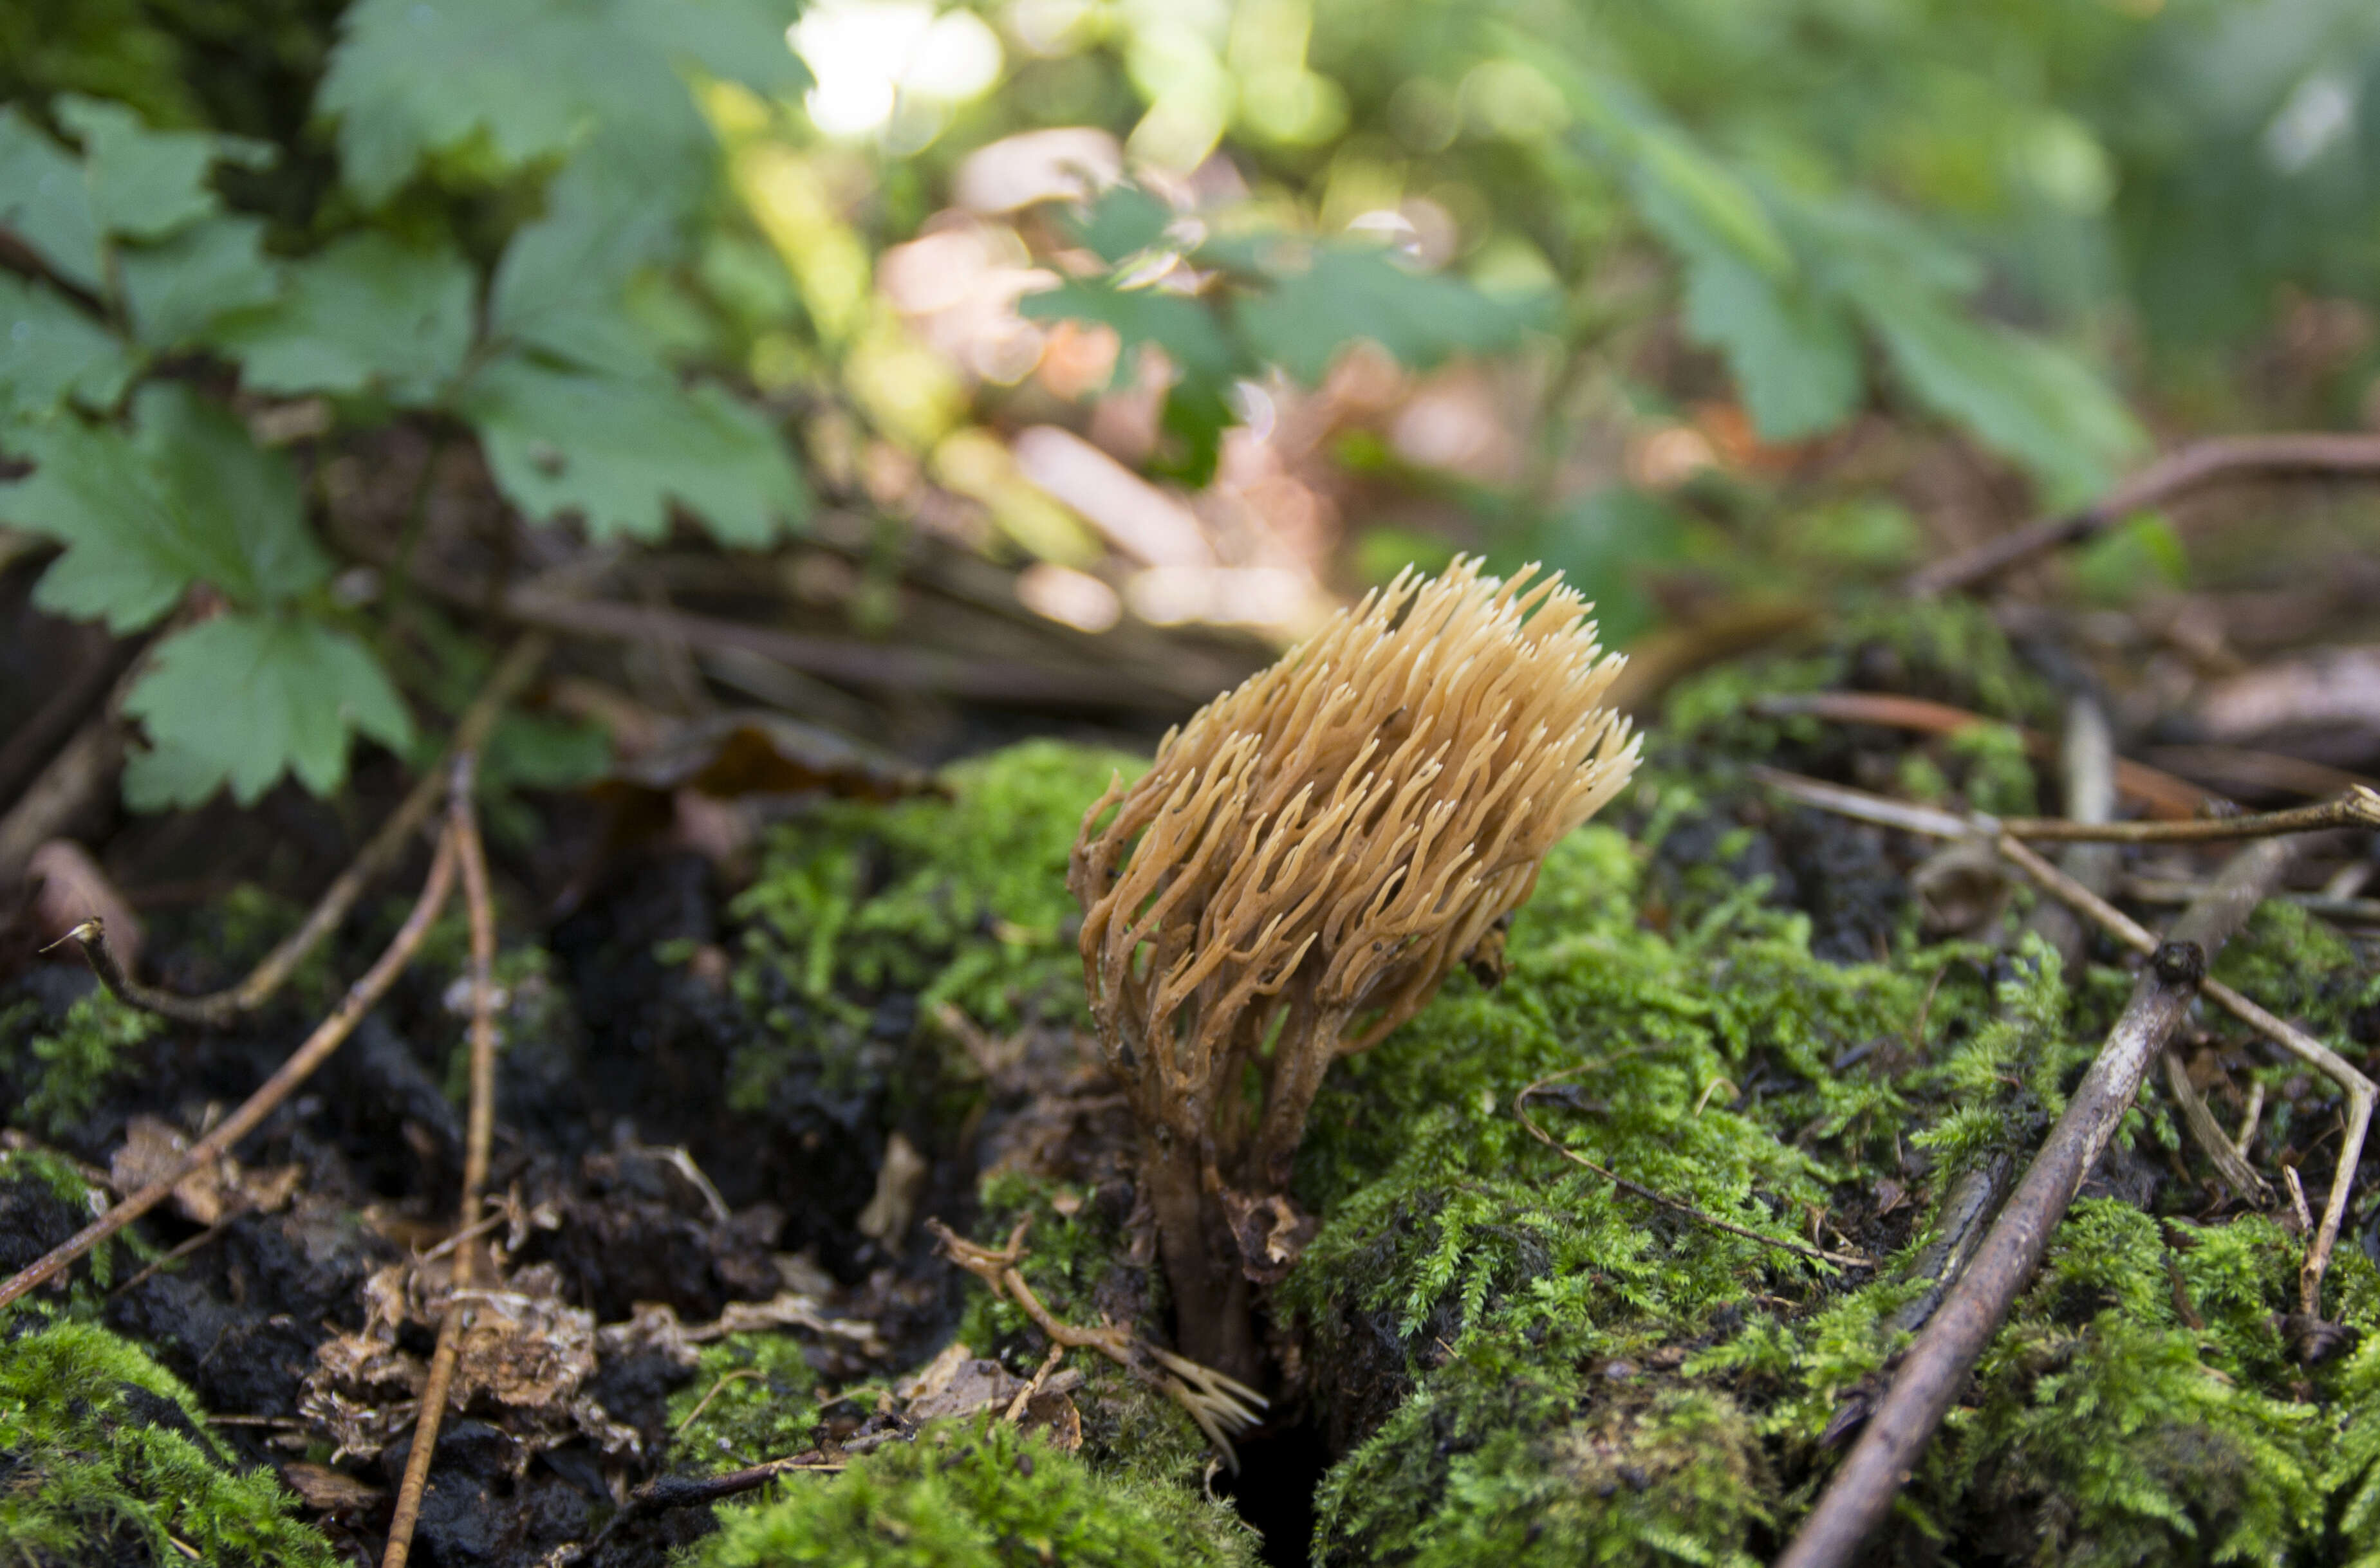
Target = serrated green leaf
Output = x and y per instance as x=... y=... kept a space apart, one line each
x=145 y=184
x=367 y=312
x=177 y=288
x=1121 y=222
x=1350 y=293
x=1796 y=360
x=185 y=497
x=2024 y=398
x=1186 y=329
x=558 y=287
x=527 y=79
x=51 y=351
x=243 y=699
x=617 y=451
x=1669 y=170
x=45 y=201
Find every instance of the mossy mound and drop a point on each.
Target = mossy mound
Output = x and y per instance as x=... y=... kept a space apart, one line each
x=103 y=1460
x=960 y=901
x=974 y=1494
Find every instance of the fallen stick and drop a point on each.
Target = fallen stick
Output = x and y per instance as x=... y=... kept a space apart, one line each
x=312 y=1054
x=1946 y=1352
x=462 y=831
x=2163 y=795
x=2305 y=1047
x=220 y=1008
x=2202 y=462
x=2358 y=808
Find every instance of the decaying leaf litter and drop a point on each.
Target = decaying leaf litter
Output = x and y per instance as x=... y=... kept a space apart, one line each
x=678 y=1314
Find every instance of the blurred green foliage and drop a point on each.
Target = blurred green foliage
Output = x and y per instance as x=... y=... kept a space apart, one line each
x=658 y=286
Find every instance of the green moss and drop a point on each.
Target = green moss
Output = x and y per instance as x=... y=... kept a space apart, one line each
x=102 y=1455
x=754 y=1394
x=1514 y=1454
x=2300 y=968
x=64 y=1069
x=55 y=1176
x=977 y=1492
x=961 y=900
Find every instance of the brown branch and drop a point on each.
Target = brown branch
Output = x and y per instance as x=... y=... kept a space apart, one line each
x=462 y=831
x=1222 y=1405
x=1938 y=1365
x=2203 y=462
x=2358 y=1088
x=303 y=1062
x=2161 y=793
x=218 y=1008
x=851 y=663
x=1521 y=1110
x=2359 y=808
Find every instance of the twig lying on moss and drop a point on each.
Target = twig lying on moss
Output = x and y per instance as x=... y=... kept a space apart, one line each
x=220 y=1008
x=2359 y=807
x=1946 y=1352
x=312 y=1054
x=2202 y=462
x=2165 y=796
x=462 y=831
x=1222 y=1405
x=2358 y=1088
x=2296 y=1042
x=1521 y=1110
x=665 y=1492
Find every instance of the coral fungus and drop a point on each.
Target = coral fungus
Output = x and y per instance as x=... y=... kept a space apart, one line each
x=1297 y=873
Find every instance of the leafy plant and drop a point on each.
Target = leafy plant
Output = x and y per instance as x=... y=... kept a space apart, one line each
x=154 y=296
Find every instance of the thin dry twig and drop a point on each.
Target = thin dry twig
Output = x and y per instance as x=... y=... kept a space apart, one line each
x=462 y=831
x=221 y=1007
x=1521 y=1110
x=1222 y=1405
x=2200 y=463
x=1946 y=1352
x=2212 y=1140
x=2296 y=1042
x=303 y=1062
x=2358 y=808
x=2160 y=793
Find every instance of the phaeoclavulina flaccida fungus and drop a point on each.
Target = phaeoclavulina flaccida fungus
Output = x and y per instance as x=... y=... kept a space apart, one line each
x=1292 y=878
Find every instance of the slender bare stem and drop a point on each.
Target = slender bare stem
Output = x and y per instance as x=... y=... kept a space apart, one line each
x=463 y=832
x=312 y=1054
x=2203 y=462
x=2359 y=808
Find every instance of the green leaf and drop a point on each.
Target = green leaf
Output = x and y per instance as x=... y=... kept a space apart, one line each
x=1350 y=293
x=2025 y=399
x=176 y=289
x=1185 y=328
x=51 y=351
x=1796 y=360
x=617 y=451
x=520 y=81
x=1602 y=544
x=243 y=699
x=367 y=312
x=1672 y=174
x=1121 y=222
x=558 y=287
x=45 y=201
x=146 y=184
x=185 y=497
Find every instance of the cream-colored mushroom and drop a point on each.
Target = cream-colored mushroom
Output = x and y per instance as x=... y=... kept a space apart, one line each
x=1294 y=876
